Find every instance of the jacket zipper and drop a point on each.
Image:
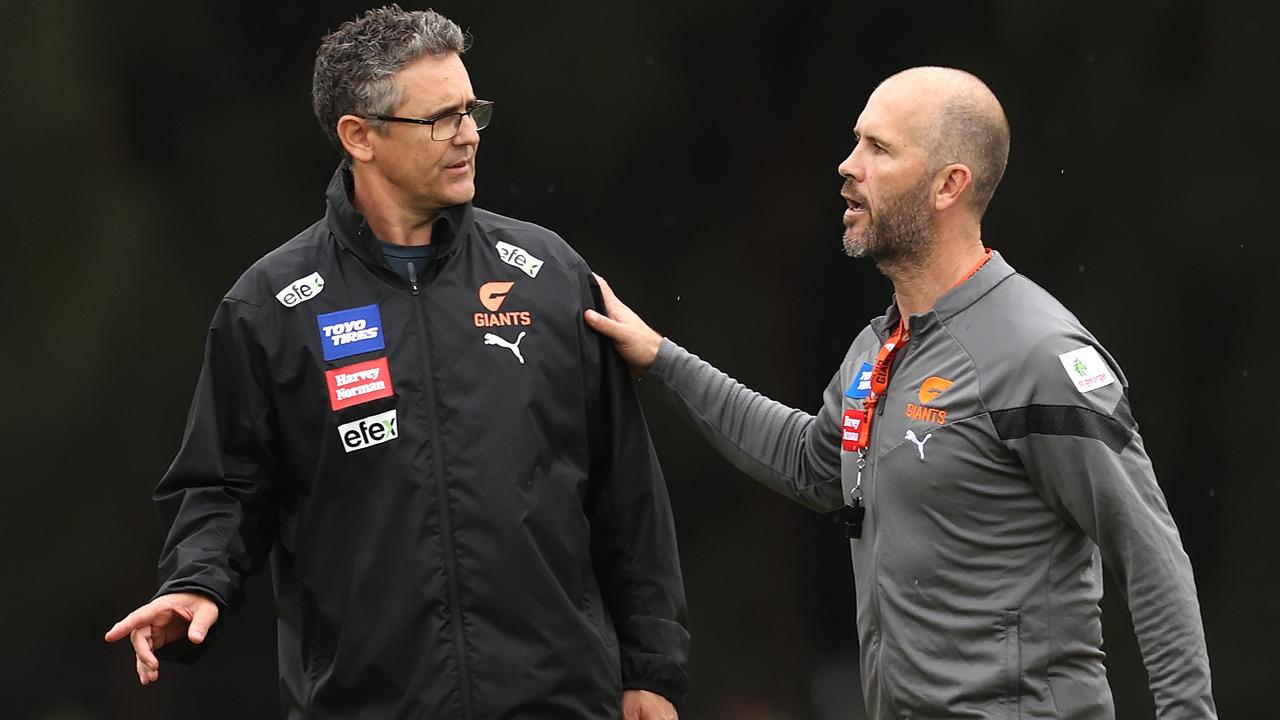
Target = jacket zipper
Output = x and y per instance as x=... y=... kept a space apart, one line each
x=446 y=525
x=885 y=700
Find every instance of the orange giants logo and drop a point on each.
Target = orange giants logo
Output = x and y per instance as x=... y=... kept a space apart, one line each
x=930 y=389
x=492 y=295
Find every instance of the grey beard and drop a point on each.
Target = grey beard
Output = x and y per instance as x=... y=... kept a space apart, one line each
x=901 y=233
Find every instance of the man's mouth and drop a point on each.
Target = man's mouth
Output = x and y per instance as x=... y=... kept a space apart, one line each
x=856 y=207
x=459 y=166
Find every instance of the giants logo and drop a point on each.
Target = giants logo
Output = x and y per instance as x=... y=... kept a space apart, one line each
x=930 y=389
x=359 y=383
x=492 y=295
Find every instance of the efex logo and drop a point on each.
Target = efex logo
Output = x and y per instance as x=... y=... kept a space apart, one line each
x=301 y=290
x=492 y=295
x=370 y=431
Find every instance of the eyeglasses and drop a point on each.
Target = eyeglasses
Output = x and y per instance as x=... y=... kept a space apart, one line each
x=444 y=127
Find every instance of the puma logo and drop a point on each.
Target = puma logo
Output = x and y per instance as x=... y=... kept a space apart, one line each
x=491 y=339
x=911 y=435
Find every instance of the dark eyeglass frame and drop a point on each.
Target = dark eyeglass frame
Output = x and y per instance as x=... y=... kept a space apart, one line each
x=479 y=105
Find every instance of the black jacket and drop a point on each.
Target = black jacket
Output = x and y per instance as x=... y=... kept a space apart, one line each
x=452 y=477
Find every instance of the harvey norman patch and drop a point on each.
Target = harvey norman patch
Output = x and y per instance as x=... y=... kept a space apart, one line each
x=518 y=258
x=301 y=290
x=861 y=386
x=370 y=431
x=1086 y=368
x=350 y=332
x=358 y=383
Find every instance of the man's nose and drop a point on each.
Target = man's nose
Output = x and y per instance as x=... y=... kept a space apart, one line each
x=467 y=132
x=851 y=167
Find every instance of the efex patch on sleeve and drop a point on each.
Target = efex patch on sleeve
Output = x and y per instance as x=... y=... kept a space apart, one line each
x=350 y=332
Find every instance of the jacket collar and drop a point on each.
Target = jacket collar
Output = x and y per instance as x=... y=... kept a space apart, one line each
x=952 y=303
x=448 y=233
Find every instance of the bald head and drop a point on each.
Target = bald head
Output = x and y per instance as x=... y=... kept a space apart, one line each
x=958 y=120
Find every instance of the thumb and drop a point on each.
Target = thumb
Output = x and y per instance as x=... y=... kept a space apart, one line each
x=603 y=324
x=206 y=614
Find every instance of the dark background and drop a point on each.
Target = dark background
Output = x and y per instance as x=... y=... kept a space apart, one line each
x=688 y=150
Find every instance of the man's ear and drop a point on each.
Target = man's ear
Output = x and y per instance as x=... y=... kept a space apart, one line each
x=952 y=183
x=354 y=134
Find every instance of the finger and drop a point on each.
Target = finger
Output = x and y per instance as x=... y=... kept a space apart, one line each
x=143 y=671
x=612 y=304
x=604 y=325
x=206 y=614
x=141 y=639
x=145 y=615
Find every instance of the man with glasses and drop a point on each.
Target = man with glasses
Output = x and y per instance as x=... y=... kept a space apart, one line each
x=400 y=407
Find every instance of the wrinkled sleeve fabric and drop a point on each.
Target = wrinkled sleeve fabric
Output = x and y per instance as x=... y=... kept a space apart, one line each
x=214 y=499
x=1083 y=454
x=633 y=541
x=787 y=450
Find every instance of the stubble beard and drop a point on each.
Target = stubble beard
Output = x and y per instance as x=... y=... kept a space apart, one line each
x=899 y=234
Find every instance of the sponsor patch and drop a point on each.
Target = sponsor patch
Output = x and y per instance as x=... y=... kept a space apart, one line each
x=518 y=258
x=370 y=431
x=1086 y=368
x=350 y=332
x=851 y=428
x=301 y=290
x=861 y=386
x=359 y=383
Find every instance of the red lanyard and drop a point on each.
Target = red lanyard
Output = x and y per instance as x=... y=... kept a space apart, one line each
x=880 y=379
x=857 y=424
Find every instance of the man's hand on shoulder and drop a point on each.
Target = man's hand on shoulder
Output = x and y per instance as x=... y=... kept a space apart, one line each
x=636 y=342
x=644 y=705
x=160 y=622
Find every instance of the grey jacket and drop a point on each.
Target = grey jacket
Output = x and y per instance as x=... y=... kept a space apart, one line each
x=1003 y=457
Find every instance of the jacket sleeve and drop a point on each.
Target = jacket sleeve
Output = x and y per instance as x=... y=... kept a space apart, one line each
x=1083 y=454
x=633 y=543
x=787 y=450
x=213 y=501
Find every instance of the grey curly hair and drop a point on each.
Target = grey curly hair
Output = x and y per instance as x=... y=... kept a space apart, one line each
x=356 y=64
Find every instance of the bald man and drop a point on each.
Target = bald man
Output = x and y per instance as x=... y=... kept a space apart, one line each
x=978 y=439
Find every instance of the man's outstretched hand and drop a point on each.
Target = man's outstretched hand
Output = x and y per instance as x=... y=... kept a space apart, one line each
x=637 y=343
x=160 y=622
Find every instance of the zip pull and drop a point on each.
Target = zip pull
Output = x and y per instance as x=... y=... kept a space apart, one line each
x=413 y=278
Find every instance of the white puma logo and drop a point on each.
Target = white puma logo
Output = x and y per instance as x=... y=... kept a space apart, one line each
x=911 y=435
x=491 y=339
